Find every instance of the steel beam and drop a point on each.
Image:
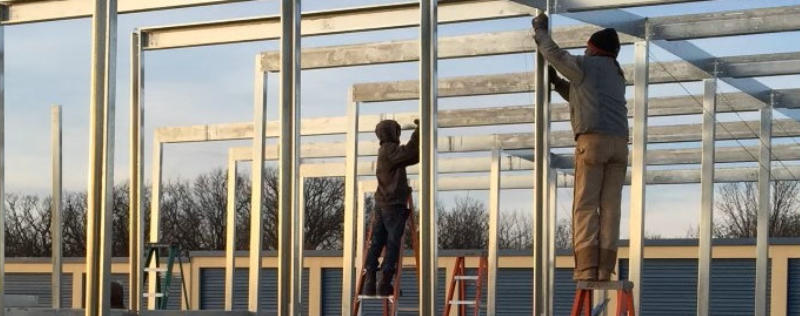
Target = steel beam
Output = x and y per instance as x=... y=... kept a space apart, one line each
x=288 y=172
x=257 y=191
x=428 y=110
x=155 y=218
x=2 y=167
x=638 y=170
x=541 y=155
x=101 y=157
x=352 y=200
x=136 y=176
x=298 y=235
x=51 y=10
x=55 y=204
x=707 y=197
x=494 y=214
x=230 y=233
x=762 y=215
x=358 y=19
x=717 y=24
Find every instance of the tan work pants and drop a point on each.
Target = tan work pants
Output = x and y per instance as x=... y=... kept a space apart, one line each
x=600 y=165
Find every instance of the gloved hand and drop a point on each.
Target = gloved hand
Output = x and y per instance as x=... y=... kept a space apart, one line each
x=540 y=22
x=552 y=74
x=416 y=122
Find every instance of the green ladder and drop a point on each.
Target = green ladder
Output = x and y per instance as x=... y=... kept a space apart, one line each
x=154 y=252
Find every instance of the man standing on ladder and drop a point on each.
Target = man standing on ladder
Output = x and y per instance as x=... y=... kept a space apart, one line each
x=595 y=90
x=391 y=197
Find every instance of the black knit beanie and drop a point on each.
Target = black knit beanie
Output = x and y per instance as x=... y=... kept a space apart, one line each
x=607 y=40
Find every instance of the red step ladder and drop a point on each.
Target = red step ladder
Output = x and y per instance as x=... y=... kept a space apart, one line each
x=582 y=305
x=390 y=303
x=460 y=278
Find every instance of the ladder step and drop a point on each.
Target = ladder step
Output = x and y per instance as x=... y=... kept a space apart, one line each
x=467 y=277
x=408 y=309
x=456 y=302
x=156 y=295
x=148 y=269
x=390 y=298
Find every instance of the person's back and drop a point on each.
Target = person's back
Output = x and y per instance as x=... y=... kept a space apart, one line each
x=597 y=101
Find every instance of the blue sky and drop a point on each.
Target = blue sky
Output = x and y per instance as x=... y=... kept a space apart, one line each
x=48 y=63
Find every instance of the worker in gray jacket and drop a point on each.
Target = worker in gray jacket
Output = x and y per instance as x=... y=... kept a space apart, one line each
x=595 y=89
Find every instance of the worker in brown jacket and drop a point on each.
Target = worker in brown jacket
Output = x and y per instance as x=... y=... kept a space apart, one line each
x=391 y=210
x=595 y=89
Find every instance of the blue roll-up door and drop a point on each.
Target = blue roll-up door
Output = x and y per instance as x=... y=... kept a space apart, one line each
x=38 y=285
x=332 y=289
x=212 y=289
x=514 y=291
x=564 y=292
x=793 y=291
x=670 y=286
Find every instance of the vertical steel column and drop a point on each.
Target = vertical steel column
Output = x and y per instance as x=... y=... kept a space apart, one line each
x=297 y=248
x=707 y=196
x=638 y=168
x=541 y=109
x=552 y=191
x=351 y=202
x=289 y=137
x=230 y=233
x=155 y=218
x=55 y=207
x=428 y=108
x=101 y=156
x=257 y=184
x=360 y=228
x=494 y=214
x=2 y=168
x=762 y=217
x=136 y=189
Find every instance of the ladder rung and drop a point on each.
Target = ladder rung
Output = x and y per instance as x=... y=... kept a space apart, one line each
x=155 y=295
x=408 y=309
x=456 y=302
x=155 y=269
x=467 y=277
x=376 y=297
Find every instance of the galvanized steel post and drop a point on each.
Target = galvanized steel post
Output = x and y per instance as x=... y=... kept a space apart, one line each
x=55 y=204
x=540 y=257
x=136 y=189
x=297 y=248
x=230 y=233
x=706 y=196
x=351 y=202
x=2 y=168
x=638 y=168
x=155 y=218
x=494 y=214
x=101 y=156
x=289 y=152
x=257 y=184
x=762 y=217
x=428 y=156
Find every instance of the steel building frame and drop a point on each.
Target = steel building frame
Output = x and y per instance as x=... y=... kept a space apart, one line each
x=668 y=33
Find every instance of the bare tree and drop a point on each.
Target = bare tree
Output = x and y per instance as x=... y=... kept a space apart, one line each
x=464 y=225
x=738 y=203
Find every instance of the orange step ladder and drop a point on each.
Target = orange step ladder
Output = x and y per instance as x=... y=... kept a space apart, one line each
x=582 y=305
x=391 y=302
x=460 y=278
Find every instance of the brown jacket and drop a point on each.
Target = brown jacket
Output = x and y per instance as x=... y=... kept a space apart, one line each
x=393 y=159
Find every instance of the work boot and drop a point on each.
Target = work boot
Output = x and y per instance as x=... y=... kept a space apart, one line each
x=369 y=288
x=385 y=285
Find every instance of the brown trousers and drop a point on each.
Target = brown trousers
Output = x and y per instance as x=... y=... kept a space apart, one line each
x=600 y=165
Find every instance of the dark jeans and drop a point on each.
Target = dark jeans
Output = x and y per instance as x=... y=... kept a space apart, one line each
x=388 y=224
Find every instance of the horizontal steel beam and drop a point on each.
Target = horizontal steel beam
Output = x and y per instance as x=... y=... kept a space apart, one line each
x=486 y=44
x=675 y=176
x=666 y=72
x=51 y=10
x=338 y=21
x=559 y=139
x=741 y=22
x=519 y=114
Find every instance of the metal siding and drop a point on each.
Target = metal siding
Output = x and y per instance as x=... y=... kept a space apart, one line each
x=670 y=286
x=514 y=291
x=793 y=291
x=564 y=290
x=212 y=290
x=35 y=284
x=331 y=291
x=66 y=290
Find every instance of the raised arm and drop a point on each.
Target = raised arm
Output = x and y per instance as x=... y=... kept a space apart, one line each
x=566 y=63
x=559 y=84
x=408 y=154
